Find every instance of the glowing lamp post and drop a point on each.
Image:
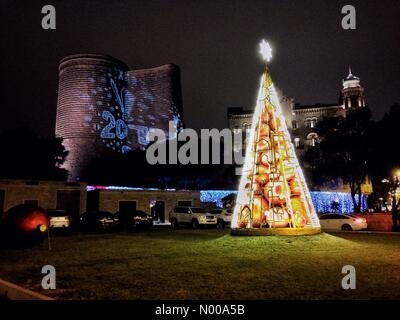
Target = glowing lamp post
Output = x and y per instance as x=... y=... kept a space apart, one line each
x=273 y=197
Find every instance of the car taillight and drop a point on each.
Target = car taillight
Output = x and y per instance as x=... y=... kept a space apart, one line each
x=359 y=220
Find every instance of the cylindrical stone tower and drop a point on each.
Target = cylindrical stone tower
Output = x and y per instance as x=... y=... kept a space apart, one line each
x=153 y=98
x=89 y=107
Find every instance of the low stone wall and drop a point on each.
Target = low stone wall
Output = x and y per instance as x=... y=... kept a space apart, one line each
x=10 y=291
x=379 y=221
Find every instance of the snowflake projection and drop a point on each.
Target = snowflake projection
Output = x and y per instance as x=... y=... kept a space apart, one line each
x=124 y=108
x=177 y=120
x=152 y=109
x=176 y=117
x=113 y=128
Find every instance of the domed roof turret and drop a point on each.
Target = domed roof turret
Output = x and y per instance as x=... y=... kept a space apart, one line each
x=351 y=81
x=351 y=76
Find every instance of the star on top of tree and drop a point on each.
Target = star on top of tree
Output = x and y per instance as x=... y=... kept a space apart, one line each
x=265 y=50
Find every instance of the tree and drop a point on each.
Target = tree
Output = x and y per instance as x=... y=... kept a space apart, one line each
x=393 y=186
x=385 y=160
x=386 y=144
x=25 y=155
x=344 y=151
x=133 y=169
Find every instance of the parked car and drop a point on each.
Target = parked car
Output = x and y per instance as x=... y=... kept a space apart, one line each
x=223 y=216
x=59 y=219
x=346 y=222
x=193 y=216
x=98 y=221
x=134 y=220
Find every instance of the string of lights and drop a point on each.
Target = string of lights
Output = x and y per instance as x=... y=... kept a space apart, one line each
x=324 y=201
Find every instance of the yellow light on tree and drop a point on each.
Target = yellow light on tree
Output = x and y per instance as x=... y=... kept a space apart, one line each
x=273 y=197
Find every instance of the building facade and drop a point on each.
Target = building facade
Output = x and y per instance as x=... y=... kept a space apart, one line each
x=240 y=119
x=302 y=119
x=50 y=195
x=305 y=117
x=304 y=122
x=157 y=203
x=103 y=107
x=77 y=198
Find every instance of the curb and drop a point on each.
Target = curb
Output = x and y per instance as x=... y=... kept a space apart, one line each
x=365 y=232
x=10 y=291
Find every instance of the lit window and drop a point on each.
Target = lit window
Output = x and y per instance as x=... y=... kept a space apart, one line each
x=313 y=122
x=297 y=142
x=312 y=139
x=236 y=130
x=237 y=147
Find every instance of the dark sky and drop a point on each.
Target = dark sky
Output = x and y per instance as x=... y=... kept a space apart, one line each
x=214 y=42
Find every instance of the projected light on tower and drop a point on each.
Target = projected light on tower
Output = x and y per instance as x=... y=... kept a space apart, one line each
x=273 y=197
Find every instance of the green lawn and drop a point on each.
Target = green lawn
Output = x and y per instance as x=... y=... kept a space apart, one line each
x=209 y=264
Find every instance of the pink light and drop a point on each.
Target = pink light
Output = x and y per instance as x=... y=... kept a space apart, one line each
x=92 y=188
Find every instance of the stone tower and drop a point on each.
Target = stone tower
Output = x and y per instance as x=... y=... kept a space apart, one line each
x=103 y=107
x=352 y=92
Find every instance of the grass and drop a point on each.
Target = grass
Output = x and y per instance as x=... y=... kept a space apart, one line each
x=209 y=264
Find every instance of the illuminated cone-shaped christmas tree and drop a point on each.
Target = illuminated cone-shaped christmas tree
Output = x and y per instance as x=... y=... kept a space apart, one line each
x=273 y=194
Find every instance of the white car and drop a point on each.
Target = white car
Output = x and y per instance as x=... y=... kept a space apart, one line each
x=345 y=222
x=59 y=219
x=224 y=217
x=193 y=216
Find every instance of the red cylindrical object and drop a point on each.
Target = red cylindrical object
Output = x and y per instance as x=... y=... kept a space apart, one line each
x=25 y=223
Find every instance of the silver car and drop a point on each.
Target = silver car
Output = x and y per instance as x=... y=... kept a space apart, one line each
x=193 y=216
x=59 y=219
x=223 y=216
x=344 y=222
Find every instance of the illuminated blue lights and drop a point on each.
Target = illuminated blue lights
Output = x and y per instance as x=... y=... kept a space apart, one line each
x=339 y=202
x=215 y=196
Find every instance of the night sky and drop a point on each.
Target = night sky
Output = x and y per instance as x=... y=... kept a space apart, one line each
x=214 y=42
